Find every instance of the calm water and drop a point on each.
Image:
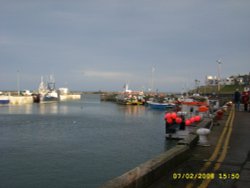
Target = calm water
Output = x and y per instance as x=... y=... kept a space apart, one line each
x=76 y=144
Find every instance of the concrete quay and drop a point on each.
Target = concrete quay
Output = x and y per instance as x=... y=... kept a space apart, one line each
x=224 y=164
x=19 y=100
x=70 y=97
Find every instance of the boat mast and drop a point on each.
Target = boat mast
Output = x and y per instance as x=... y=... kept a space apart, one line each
x=152 y=78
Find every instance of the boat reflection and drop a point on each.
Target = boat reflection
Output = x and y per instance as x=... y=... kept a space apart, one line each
x=40 y=108
x=20 y=109
x=133 y=110
x=51 y=108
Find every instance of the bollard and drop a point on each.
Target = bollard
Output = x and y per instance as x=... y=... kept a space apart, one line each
x=219 y=114
x=203 y=133
x=225 y=108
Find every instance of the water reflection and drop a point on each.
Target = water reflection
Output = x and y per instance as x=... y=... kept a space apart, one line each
x=18 y=109
x=132 y=110
x=64 y=109
x=52 y=108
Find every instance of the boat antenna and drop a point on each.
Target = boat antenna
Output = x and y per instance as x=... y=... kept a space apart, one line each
x=152 y=78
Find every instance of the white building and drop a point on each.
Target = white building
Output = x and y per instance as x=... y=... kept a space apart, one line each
x=211 y=80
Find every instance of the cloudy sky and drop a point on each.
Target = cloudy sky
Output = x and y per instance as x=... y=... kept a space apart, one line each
x=101 y=44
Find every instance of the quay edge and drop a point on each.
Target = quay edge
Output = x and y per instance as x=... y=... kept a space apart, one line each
x=18 y=100
x=70 y=97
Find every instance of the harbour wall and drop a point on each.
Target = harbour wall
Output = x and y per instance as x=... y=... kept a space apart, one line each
x=18 y=100
x=150 y=171
x=70 y=97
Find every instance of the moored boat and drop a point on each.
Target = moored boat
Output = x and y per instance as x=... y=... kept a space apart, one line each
x=4 y=100
x=158 y=105
x=129 y=97
x=47 y=91
x=51 y=96
x=161 y=102
x=195 y=104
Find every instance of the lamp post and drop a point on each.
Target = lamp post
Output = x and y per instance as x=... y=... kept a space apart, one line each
x=219 y=72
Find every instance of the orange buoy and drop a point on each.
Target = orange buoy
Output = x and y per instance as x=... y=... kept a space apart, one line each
x=203 y=109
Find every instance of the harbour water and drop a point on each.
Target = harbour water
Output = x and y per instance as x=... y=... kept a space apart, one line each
x=76 y=143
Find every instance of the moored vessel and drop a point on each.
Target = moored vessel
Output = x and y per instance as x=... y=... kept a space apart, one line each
x=129 y=97
x=161 y=106
x=4 y=99
x=47 y=91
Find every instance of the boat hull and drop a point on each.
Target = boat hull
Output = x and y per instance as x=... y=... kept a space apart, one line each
x=46 y=99
x=49 y=97
x=4 y=100
x=160 y=106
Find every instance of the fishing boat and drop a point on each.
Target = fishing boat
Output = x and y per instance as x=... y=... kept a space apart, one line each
x=129 y=97
x=51 y=96
x=195 y=104
x=160 y=106
x=47 y=91
x=4 y=99
x=161 y=102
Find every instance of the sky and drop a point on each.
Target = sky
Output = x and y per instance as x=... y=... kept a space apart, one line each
x=91 y=45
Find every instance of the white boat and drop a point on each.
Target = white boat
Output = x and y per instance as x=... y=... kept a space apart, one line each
x=51 y=96
x=4 y=100
x=47 y=91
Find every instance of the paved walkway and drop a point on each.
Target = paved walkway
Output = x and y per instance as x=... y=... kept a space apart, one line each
x=225 y=163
